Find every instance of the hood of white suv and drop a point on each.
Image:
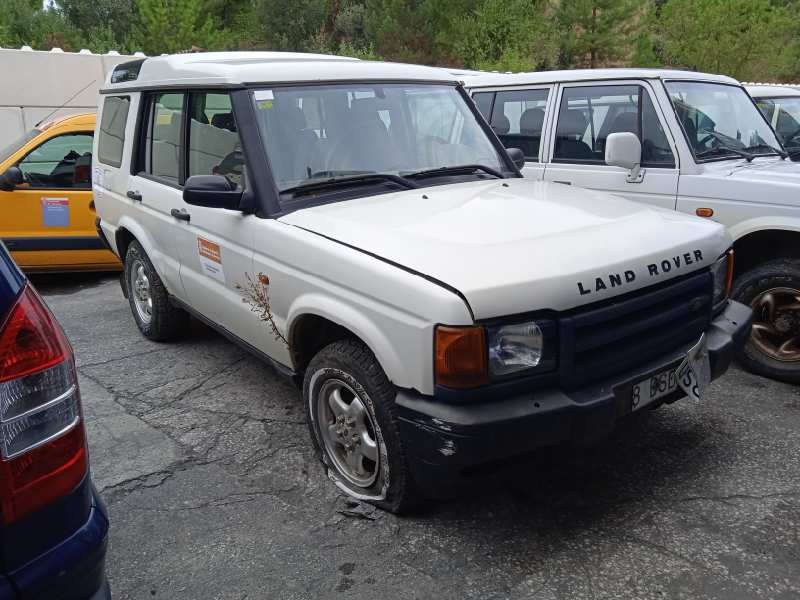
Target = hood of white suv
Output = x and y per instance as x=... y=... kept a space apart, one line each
x=515 y=245
x=766 y=180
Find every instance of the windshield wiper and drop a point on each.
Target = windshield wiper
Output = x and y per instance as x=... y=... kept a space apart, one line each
x=723 y=148
x=778 y=151
x=455 y=170
x=350 y=180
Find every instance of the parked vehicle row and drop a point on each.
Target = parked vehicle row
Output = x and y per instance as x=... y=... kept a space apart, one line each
x=442 y=313
x=690 y=142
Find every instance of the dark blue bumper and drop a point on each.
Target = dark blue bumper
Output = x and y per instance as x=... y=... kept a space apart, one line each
x=447 y=444
x=72 y=570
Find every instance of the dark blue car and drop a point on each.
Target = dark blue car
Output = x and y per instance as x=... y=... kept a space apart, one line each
x=53 y=525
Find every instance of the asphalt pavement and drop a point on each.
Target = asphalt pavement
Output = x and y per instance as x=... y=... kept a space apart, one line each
x=204 y=459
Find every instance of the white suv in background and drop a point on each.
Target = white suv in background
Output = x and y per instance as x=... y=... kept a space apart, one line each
x=781 y=106
x=441 y=313
x=687 y=141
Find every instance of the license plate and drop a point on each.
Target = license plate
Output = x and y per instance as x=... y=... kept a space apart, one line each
x=692 y=376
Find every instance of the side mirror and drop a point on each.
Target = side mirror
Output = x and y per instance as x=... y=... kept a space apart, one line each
x=517 y=157
x=213 y=191
x=625 y=150
x=11 y=179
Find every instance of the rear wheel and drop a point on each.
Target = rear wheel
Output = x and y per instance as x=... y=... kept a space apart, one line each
x=772 y=290
x=155 y=316
x=351 y=416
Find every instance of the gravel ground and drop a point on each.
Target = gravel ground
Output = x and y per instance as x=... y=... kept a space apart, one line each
x=203 y=457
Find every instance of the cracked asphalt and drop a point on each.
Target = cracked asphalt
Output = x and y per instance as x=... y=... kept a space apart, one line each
x=203 y=457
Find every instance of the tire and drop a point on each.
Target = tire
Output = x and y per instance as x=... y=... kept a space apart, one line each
x=350 y=367
x=770 y=289
x=162 y=321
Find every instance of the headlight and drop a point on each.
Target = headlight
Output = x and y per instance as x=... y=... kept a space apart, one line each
x=722 y=272
x=518 y=347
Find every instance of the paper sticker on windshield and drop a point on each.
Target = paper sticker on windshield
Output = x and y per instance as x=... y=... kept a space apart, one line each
x=264 y=99
x=210 y=255
x=55 y=212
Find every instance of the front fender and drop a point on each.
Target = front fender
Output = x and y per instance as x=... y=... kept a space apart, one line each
x=357 y=322
x=743 y=228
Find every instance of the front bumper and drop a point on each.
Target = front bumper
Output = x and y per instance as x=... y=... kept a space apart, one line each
x=447 y=443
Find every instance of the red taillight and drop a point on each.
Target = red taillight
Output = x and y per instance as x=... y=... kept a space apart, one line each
x=42 y=444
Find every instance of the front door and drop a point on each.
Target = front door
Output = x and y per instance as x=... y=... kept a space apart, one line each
x=587 y=115
x=48 y=220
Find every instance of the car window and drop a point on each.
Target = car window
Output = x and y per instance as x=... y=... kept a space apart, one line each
x=162 y=149
x=784 y=116
x=313 y=133
x=214 y=145
x=111 y=133
x=517 y=119
x=588 y=115
x=64 y=161
x=483 y=100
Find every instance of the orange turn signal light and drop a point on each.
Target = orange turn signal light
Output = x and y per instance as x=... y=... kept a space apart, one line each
x=704 y=212
x=461 y=357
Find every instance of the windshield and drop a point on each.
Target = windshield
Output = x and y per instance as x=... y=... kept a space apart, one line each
x=720 y=121
x=784 y=116
x=321 y=132
x=6 y=152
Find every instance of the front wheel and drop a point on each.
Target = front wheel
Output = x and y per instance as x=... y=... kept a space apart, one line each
x=351 y=416
x=772 y=290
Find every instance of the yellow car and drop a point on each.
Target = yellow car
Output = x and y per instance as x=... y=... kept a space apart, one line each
x=47 y=217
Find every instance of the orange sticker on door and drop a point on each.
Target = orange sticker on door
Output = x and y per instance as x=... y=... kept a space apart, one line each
x=210 y=255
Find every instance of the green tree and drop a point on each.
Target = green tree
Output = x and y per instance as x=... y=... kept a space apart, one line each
x=747 y=39
x=175 y=26
x=506 y=35
x=595 y=33
x=27 y=22
x=296 y=25
x=103 y=24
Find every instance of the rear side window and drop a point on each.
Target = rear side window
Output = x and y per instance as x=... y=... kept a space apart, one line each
x=588 y=115
x=163 y=146
x=112 y=130
x=214 y=145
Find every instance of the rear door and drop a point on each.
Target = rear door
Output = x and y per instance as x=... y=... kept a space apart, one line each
x=587 y=114
x=48 y=221
x=518 y=117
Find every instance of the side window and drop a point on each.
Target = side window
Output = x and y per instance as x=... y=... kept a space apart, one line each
x=518 y=118
x=60 y=162
x=111 y=134
x=162 y=142
x=588 y=115
x=483 y=100
x=214 y=145
x=655 y=147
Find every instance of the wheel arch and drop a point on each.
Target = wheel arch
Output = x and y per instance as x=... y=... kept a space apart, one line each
x=763 y=241
x=315 y=321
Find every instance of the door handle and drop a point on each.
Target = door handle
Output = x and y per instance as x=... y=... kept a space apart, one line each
x=135 y=196
x=181 y=215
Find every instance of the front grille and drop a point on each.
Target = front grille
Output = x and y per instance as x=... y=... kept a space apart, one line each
x=601 y=340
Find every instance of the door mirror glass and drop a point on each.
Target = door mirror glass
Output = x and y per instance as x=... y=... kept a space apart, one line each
x=10 y=179
x=517 y=157
x=623 y=150
x=213 y=191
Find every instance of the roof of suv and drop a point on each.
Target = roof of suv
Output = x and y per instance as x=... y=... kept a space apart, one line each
x=772 y=91
x=243 y=68
x=502 y=79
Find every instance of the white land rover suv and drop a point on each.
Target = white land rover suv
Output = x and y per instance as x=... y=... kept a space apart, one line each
x=692 y=142
x=441 y=312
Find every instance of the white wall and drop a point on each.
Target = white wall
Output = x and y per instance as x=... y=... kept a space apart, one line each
x=39 y=82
